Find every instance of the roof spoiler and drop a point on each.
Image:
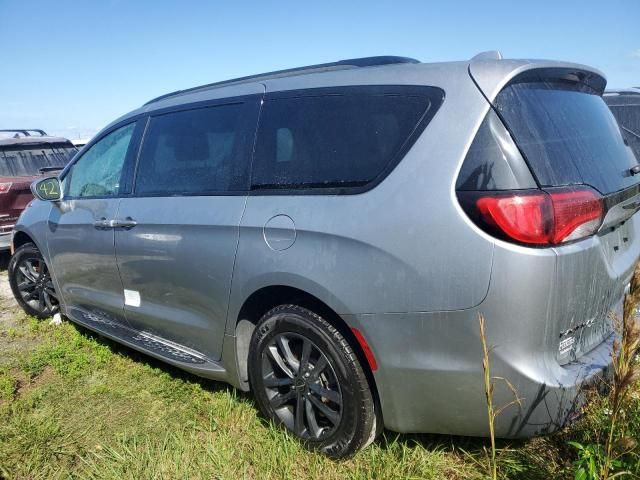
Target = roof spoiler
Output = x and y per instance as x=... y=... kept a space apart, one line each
x=488 y=55
x=491 y=76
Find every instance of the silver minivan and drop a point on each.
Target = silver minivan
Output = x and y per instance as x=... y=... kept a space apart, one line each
x=327 y=237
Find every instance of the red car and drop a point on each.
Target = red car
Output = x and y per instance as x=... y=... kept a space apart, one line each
x=26 y=155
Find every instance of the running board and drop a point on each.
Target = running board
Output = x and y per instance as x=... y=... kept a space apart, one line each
x=145 y=342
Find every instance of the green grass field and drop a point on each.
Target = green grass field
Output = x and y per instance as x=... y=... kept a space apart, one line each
x=74 y=405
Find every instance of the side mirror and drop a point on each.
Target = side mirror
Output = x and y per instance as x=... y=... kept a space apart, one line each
x=47 y=189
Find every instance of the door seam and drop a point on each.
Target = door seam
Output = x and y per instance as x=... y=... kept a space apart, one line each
x=244 y=209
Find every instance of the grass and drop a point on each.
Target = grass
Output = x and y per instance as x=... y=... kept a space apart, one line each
x=492 y=411
x=618 y=455
x=74 y=405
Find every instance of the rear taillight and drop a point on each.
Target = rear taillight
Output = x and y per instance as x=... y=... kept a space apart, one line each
x=5 y=187
x=536 y=217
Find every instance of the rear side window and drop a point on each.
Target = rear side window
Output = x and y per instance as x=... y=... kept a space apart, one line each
x=626 y=109
x=338 y=139
x=33 y=161
x=493 y=161
x=567 y=135
x=195 y=152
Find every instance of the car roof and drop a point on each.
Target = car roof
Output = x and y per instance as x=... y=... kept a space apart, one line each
x=289 y=72
x=490 y=71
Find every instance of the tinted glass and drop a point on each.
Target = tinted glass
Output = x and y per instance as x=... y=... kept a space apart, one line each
x=626 y=109
x=99 y=171
x=342 y=139
x=32 y=161
x=493 y=160
x=195 y=152
x=567 y=135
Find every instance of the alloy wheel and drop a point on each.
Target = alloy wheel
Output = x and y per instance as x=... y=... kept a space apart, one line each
x=35 y=285
x=301 y=385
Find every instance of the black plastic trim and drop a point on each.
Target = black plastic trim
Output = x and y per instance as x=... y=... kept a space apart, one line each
x=620 y=196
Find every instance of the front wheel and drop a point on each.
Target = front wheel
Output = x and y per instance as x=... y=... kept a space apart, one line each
x=306 y=377
x=31 y=282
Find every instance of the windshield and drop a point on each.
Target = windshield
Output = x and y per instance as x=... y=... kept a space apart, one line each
x=567 y=135
x=33 y=161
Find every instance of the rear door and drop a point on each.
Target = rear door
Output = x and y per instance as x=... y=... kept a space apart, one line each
x=79 y=239
x=568 y=136
x=177 y=244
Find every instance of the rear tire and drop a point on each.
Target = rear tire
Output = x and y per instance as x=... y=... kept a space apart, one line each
x=31 y=282
x=306 y=377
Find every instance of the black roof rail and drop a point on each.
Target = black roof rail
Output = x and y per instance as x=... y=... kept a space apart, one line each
x=321 y=67
x=25 y=131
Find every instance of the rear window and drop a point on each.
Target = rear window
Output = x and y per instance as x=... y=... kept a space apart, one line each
x=338 y=139
x=32 y=161
x=567 y=135
x=626 y=109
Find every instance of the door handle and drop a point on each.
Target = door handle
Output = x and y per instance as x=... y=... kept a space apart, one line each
x=127 y=223
x=103 y=223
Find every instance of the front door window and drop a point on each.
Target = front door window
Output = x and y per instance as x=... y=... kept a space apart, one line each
x=98 y=172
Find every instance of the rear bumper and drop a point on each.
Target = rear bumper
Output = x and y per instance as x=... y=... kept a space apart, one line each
x=430 y=377
x=5 y=241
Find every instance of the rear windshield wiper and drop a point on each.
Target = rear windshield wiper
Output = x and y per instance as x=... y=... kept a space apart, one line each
x=630 y=131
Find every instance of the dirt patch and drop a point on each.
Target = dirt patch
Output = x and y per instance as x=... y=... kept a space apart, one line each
x=25 y=384
x=4 y=261
x=8 y=304
x=14 y=336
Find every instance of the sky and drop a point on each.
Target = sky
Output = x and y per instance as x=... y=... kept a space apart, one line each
x=71 y=67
